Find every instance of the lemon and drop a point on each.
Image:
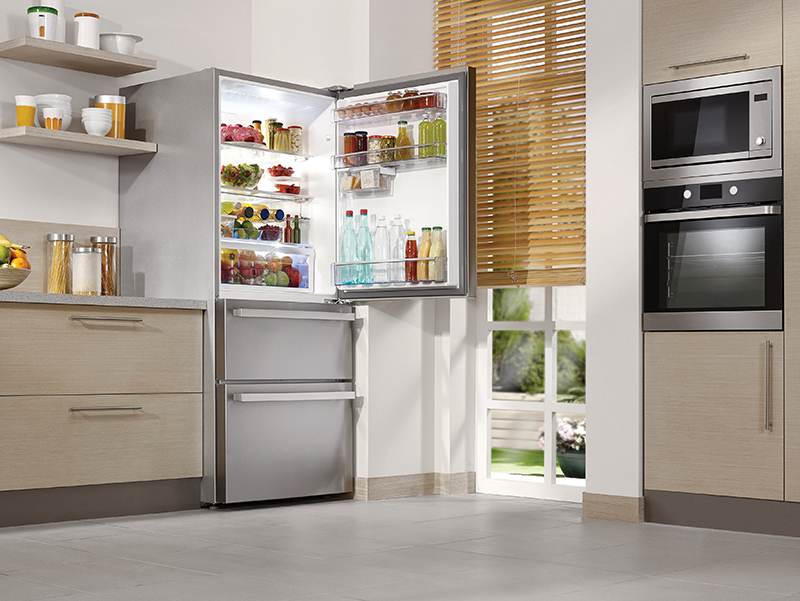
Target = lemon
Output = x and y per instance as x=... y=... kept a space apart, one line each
x=5 y=255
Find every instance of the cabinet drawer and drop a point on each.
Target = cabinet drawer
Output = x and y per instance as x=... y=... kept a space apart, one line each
x=46 y=443
x=677 y=32
x=52 y=349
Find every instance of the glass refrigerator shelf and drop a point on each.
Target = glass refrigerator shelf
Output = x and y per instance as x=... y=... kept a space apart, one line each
x=266 y=245
x=255 y=193
x=261 y=150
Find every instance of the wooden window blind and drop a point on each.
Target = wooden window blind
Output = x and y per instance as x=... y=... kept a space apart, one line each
x=530 y=60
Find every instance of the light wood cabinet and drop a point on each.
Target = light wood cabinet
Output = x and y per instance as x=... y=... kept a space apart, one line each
x=696 y=34
x=48 y=442
x=705 y=413
x=74 y=349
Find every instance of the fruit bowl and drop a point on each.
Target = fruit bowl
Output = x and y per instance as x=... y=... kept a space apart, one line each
x=270 y=233
x=12 y=276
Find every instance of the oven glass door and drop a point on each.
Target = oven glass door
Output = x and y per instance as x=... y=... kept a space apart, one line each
x=728 y=264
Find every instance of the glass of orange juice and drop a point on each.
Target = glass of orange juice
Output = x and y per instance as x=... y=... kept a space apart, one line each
x=26 y=110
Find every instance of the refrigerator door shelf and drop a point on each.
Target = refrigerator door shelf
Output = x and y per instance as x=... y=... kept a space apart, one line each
x=381 y=110
x=390 y=157
x=341 y=270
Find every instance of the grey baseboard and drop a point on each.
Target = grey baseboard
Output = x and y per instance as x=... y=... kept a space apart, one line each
x=42 y=505
x=722 y=513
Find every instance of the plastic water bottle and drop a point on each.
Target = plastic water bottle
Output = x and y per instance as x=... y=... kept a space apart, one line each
x=364 y=249
x=347 y=253
x=381 y=271
x=397 y=249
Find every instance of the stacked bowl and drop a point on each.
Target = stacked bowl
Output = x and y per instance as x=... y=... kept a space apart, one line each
x=96 y=121
x=56 y=101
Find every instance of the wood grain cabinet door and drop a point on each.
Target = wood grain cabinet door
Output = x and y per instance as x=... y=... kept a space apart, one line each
x=682 y=39
x=705 y=413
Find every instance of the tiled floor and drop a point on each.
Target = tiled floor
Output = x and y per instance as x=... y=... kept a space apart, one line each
x=421 y=549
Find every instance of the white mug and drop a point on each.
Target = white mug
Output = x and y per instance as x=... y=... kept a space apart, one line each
x=87 y=30
x=61 y=24
x=42 y=22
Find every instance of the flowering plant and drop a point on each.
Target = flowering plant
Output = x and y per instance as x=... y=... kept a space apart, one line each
x=570 y=435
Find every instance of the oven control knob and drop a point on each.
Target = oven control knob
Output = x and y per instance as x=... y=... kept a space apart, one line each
x=734 y=190
x=760 y=141
x=687 y=194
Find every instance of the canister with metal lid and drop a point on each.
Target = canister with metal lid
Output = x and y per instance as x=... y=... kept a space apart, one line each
x=108 y=263
x=59 y=252
x=117 y=106
x=86 y=270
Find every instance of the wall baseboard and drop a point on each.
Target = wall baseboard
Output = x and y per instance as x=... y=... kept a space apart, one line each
x=414 y=485
x=612 y=507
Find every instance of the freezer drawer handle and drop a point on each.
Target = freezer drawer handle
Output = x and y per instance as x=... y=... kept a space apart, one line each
x=109 y=408
x=257 y=397
x=100 y=318
x=323 y=315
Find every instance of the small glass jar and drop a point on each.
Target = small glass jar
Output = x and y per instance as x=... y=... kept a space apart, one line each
x=59 y=266
x=296 y=139
x=374 y=144
x=108 y=263
x=361 y=148
x=349 y=147
x=387 y=142
x=282 y=143
x=86 y=270
x=269 y=134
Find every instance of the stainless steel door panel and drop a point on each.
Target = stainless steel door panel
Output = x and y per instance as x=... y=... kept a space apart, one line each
x=275 y=449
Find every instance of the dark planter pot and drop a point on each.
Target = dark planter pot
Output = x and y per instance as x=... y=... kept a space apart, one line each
x=572 y=463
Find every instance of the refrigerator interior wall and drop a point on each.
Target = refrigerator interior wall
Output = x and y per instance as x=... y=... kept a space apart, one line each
x=240 y=102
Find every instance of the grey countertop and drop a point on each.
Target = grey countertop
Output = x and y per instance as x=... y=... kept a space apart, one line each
x=12 y=296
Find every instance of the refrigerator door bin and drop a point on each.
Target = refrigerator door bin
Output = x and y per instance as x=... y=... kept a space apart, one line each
x=283 y=342
x=283 y=441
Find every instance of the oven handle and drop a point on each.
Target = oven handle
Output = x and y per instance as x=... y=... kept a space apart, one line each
x=713 y=213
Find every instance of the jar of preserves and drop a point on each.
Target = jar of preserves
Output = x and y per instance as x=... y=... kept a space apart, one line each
x=296 y=139
x=361 y=148
x=374 y=145
x=349 y=147
x=108 y=263
x=269 y=136
x=387 y=149
x=282 y=143
x=393 y=107
x=59 y=265
x=411 y=100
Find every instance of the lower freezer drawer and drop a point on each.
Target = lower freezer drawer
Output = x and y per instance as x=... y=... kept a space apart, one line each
x=287 y=443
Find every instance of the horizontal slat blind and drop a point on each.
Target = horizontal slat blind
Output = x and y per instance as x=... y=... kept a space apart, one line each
x=530 y=59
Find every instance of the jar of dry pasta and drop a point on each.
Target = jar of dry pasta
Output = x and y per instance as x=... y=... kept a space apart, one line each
x=108 y=263
x=59 y=265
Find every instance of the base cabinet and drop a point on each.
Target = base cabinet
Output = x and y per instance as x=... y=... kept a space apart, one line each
x=706 y=407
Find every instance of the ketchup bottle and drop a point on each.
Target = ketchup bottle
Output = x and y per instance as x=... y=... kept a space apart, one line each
x=411 y=253
x=287 y=231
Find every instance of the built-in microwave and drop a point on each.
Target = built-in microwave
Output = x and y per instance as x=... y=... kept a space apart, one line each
x=713 y=125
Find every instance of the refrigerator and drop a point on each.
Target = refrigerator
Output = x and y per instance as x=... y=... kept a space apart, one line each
x=278 y=360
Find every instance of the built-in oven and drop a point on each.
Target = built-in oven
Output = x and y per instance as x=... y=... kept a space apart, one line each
x=713 y=254
x=714 y=125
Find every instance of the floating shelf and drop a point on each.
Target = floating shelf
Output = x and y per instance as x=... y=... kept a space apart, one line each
x=67 y=140
x=77 y=58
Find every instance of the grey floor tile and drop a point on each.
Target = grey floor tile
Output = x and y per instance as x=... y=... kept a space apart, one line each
x=17 y=554
x=660 y=589
x=49 y=533
x=14 y=589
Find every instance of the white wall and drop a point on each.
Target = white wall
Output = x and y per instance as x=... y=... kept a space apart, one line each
x=63 y=187
x=613 y=259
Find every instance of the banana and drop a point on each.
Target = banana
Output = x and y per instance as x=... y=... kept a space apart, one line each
x=6 y=242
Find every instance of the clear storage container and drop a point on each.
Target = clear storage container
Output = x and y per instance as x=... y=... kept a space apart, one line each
x=59 y=252
x=86 y=271
x=108 y=263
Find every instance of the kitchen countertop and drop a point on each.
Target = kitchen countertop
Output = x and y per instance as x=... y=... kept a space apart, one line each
x=12 y=296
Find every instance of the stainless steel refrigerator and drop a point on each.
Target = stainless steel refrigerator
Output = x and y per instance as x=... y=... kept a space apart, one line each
x=271 y=348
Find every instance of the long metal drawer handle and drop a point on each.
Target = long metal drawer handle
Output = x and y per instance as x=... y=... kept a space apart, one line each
x=109 y=408
x=712 y=213
x=100 y=318
x=768 y=424
x=256 y=397
x=721 y=59
x=321 y=315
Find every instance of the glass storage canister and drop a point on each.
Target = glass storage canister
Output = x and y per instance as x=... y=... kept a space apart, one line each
x=296 y=139
x=269 y=136
x=59 y=252
x=374 y=144
x=282 y=143
x=86 y=270
x=387 y=142
x=108 y=264
x=361 y=148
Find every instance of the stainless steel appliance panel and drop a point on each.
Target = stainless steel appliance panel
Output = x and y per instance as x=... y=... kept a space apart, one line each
x=284 y=441
x=270 y=341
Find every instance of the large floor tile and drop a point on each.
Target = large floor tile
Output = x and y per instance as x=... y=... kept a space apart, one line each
x=17 y=554
x=14 y=589
x=660 y=589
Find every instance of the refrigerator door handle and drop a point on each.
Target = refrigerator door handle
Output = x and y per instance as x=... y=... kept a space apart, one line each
x=260 y=397
x=279 y=314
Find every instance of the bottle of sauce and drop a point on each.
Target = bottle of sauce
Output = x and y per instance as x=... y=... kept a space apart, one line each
x=296 y=230
x=411 y=253
x=424 y=251
x=425 y=137
x=439 y=136
x=437 y=270
x=257 y=127
x=287 y=230
x=403 y=140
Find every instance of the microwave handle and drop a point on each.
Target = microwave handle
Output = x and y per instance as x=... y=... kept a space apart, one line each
x=708 y=61
x=713 y=213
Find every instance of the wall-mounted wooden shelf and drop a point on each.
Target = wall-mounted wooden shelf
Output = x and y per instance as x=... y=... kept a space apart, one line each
x=67 y=140
x=77 y=58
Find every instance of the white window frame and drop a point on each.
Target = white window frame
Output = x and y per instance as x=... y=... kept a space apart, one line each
x=547 y=487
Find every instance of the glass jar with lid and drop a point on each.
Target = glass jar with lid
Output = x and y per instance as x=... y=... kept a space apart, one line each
x=282 y=142
x=59 y=265
x=86 y=270
x=108 y=263
x=296 y=139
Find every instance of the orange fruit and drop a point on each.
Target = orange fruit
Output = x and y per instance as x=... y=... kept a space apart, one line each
x=20 y=263
x=18 y=253
x=286 y=260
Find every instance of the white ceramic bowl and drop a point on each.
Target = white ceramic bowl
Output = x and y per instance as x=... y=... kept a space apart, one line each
x=122 y=43
x=54 y=98
x=96 y=127
x=97 y=113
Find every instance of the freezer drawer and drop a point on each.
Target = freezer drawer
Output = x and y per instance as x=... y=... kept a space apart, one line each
x=273 y=341
x=283 y=441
